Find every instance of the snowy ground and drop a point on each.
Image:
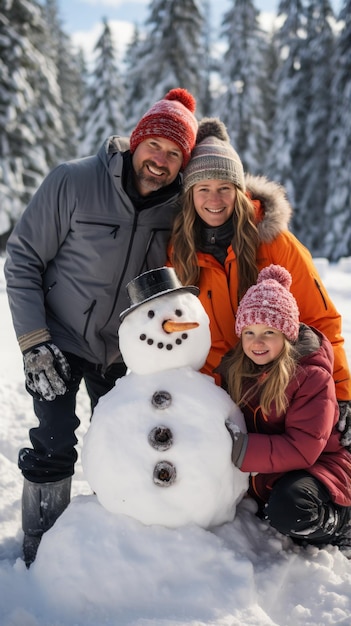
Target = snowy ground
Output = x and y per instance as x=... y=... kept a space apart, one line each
x=99 y=569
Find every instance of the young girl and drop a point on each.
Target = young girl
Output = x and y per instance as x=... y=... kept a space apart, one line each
x=281 y=375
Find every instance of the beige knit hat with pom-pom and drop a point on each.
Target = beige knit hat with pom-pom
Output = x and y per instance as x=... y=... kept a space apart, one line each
x=213 y=157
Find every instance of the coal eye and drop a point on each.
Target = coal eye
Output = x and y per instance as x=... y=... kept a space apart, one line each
x=178 y=313
x=151 y=313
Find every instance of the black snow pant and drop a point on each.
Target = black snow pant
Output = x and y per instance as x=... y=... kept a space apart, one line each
x=53 y=455
x=300 y=507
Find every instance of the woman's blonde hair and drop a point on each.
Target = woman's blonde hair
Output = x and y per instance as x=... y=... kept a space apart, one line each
x=269 y=382
x=186 y=238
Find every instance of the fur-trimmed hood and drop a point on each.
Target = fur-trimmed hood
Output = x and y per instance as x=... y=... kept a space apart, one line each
x=275 y=211
x=309 y=340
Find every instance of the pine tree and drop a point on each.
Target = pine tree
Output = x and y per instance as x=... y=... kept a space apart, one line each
x=290 y=111
x=268 y=87
x=241 y=103
x=205 y=96
x=171 y=54
x=70 y=81
x=81 y=98
x=337 y=241
x=135 y=86
x=311 y=155
x=11 y=170
x=105 y=104
x=28 y=105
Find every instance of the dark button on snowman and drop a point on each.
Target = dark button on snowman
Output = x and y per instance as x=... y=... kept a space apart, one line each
x=157 y=448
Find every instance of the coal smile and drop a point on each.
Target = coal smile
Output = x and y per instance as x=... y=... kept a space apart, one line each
x=160 y=344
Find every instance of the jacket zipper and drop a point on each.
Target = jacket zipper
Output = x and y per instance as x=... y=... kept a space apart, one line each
x=148 y=245
x=113 y=232
x=94 y=223
x=321 y=292
x=126 y=261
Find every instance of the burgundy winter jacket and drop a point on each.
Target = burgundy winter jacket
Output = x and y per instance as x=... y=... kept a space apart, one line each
x=305 y=437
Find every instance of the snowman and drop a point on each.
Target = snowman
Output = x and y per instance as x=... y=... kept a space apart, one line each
x=157 y=449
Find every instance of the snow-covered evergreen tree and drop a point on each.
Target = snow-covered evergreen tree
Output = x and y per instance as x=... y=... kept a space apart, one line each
x=11 y=168
x=290 y=108
x=135 y=86
x=337 y=241
x=311 y=154
x=29 y=95
x=171 y=54
x=268 y=87
x=205 y=96
x=105 y=102
x=240 y=104
x=70 y=80
x=81 y=98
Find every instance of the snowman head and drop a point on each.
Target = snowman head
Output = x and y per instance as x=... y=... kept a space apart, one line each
x=166 y=325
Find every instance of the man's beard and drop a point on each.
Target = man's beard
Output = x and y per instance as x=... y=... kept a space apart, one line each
x=148 y=181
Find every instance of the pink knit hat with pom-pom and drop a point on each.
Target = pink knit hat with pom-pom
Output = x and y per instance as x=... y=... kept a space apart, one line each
x=171 y=118
x=270 y=302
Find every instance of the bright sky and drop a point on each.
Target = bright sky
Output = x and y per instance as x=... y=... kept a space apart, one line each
x=82 y=14
x=83 y=18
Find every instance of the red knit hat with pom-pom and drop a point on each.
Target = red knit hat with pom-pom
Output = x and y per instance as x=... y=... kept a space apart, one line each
x=171 y=118
x=270 y=302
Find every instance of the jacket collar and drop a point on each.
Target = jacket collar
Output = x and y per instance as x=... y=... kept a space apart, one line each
x=216 y=240
x=152 y=199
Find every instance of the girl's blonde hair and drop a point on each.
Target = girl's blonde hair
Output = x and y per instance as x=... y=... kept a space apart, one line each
x=270 y=382
x=186 y=238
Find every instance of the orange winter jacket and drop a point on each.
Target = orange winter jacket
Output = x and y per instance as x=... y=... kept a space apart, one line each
x=219 y=284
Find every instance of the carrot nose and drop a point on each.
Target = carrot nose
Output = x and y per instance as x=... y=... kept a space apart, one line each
x=176 y=327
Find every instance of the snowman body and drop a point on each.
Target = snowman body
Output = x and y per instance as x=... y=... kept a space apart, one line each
x=157 y=448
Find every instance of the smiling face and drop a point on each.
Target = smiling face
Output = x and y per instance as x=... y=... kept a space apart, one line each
x=156 y=163
x=167 y=332
x=261 y=343
x=214 y=201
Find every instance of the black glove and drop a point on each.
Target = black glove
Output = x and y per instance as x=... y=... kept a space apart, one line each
x=344 y=423
x=240 y=441
x=46 y=371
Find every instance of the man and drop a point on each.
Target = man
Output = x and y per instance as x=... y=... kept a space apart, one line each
x=92 y=226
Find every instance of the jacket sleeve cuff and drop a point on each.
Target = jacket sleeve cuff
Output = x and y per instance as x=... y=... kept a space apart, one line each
x=241 y=456
x=29 y=340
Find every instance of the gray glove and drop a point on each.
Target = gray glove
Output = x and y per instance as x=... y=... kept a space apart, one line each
x=46 y=371
x=240 y=441
x=344 y=423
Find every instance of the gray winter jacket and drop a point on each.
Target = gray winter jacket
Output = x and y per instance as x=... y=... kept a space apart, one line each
x=78 y=243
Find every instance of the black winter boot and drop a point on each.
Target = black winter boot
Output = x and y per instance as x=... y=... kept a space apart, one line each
x=42 y=504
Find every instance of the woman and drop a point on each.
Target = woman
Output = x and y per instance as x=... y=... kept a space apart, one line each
x=232 y=226
x=280 y=374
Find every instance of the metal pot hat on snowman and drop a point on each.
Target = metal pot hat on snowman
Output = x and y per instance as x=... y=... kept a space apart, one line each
x=157 y=448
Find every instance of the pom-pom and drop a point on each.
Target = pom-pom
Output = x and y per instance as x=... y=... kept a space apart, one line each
x=183 y=96
x=212 y=127
x=276 y=272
